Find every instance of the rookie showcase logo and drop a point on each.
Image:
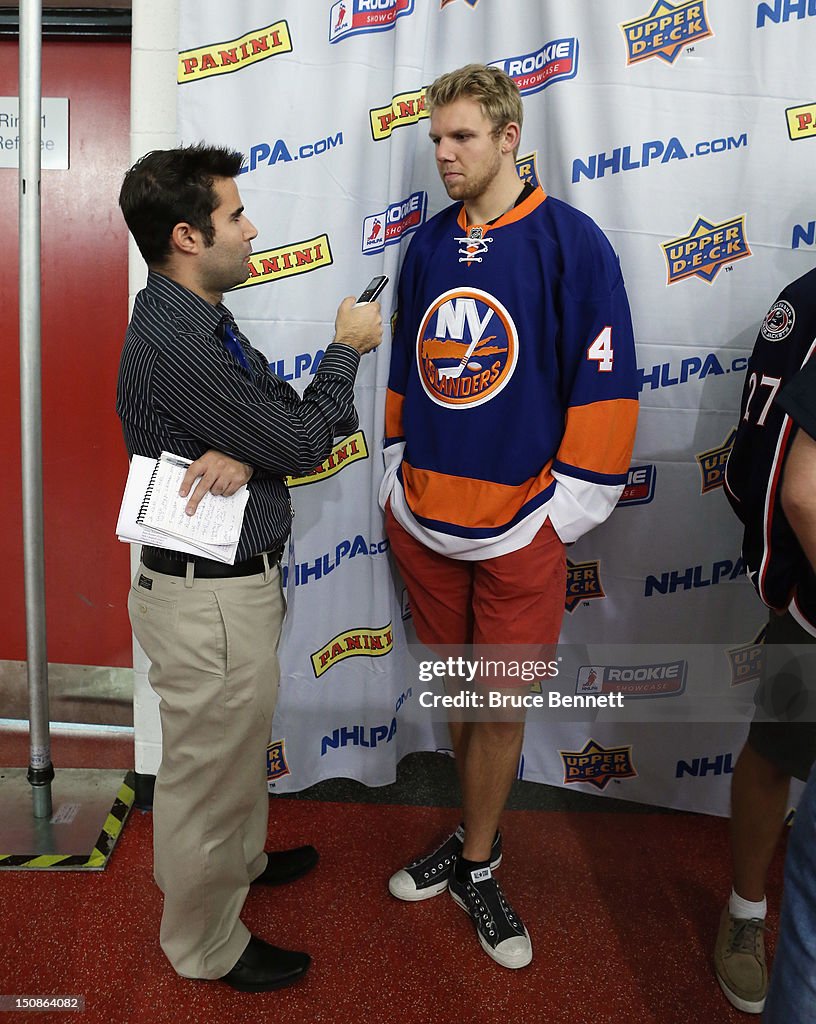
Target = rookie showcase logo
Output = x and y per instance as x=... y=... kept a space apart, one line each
x=527 y=170
x=555 y=61
x=712 y=463
x=583 y=583
x=665 y=31
x=461 y=364
x=388 y=227
x=353 y=643
x=224 y=58
x=666 y=679
x=276 y=765
x=597 y=765
x=640 y=486
x=344 y=453
x=706 y=249
x=351 y=17
x=288 y=260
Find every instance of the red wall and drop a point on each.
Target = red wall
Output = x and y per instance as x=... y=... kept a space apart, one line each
x=84 y=315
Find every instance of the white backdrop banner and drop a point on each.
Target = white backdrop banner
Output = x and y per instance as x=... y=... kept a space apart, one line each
x=687 y=131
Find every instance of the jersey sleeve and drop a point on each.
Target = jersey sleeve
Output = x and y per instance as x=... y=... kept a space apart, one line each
x=599 y=385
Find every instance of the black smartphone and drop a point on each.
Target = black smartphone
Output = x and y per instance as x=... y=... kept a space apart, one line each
x=372 y=290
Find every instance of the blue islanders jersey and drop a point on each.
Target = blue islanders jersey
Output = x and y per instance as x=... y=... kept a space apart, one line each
x=779 y=395
x=512 y=394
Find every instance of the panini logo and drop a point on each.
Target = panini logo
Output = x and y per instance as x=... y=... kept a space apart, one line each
x=353 y=449
x=745 y=661
x=665 y=30
x=712 y=463
x=354 y=643
x=276 y=764
x=235 y=55
x=583 y=583
x=801 y=121
x=404 y=109
x=556 y=61
x=667 y=679
x=351 y=17
x=597 y=765
x=527 y=169
x=706 y=249
x=640 y=486
x=288 y=261
x=388 y=227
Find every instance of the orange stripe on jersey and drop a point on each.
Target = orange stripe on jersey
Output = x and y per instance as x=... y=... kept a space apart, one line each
x=461 y=501
x=514 y=214
x=393 y=413
x=600 y=437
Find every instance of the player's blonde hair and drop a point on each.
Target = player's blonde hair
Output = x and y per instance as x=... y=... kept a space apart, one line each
x=494 y=90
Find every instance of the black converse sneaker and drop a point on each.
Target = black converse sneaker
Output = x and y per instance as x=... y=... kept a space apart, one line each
x=501 y=933
x=429 y=875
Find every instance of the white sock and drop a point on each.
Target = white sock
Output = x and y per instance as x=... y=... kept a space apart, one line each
x=738 y=907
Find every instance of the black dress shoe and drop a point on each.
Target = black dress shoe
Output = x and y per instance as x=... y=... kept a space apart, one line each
x=262 y=967
x=287 y=865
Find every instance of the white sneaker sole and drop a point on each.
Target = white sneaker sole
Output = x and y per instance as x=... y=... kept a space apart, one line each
x=404 y=888
x=741 y=1004
x=513 y=961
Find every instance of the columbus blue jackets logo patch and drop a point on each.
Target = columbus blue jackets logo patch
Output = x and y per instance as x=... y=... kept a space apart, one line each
x=712 y=463
x=665 y=31
x=527 y=170
x=706 y=249
x=555 y=61
x=745 y=661
x=583 y=583
x=640 y=486
x=597 y=765
x=350 y=17
x=779 y=322
x=467 y=348
x=276 y=766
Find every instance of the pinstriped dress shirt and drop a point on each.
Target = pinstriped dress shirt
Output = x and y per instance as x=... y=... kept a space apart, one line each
x=181 y=391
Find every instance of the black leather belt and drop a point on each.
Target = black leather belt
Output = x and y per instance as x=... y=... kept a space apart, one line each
x=207 y=568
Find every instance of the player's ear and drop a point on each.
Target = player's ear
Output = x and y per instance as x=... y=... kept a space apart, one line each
x=510 y=136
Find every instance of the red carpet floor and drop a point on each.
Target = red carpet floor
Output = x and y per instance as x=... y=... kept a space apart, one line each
x=621 y=909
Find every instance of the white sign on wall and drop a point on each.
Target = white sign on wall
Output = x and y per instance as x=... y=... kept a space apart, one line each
x=54 y=133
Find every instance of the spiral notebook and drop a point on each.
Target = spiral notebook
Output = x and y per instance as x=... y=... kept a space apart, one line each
x=153 y=513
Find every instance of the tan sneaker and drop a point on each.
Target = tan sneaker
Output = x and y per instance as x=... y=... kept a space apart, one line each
x=739 y=961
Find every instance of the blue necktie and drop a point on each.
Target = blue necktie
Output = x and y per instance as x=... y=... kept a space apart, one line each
x=232 y=343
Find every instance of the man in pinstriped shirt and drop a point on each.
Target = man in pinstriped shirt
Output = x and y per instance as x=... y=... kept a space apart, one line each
x=190 y=383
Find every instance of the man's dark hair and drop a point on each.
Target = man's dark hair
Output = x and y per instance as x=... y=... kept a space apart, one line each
x=171 y=186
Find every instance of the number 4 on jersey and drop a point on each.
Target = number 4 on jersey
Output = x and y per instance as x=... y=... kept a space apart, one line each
x=601 y=351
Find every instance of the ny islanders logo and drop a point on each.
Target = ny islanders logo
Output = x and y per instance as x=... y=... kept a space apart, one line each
x=467 y=348
x=349 y=17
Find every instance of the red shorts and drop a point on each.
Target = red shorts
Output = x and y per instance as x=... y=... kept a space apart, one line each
x=516 y=598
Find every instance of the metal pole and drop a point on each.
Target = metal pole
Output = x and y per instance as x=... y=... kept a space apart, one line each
x=40 y=771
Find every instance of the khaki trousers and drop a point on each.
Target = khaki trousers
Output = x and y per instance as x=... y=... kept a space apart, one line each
x=212 y=645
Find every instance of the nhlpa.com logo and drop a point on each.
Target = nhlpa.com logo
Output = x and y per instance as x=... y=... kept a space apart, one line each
x=640 y=486
x=388 y=227
x=706 y=249
x=665 y=31
x=555 y=61
x=351 y=17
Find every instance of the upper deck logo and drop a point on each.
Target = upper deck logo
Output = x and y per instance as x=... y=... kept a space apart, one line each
x=706 y=249
x=388 y=227
x=745 y=661
x=466 y=348
x=712 y=463
x=665 y=31
x=597 y=765
x=801 y=121
x=527 y=169
x=234 y=55
x=404 y=109
x=583 y=583
x=555 y=61
x=351 y=17
x=353 y=643
x=640 y=486
x=276 y=764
